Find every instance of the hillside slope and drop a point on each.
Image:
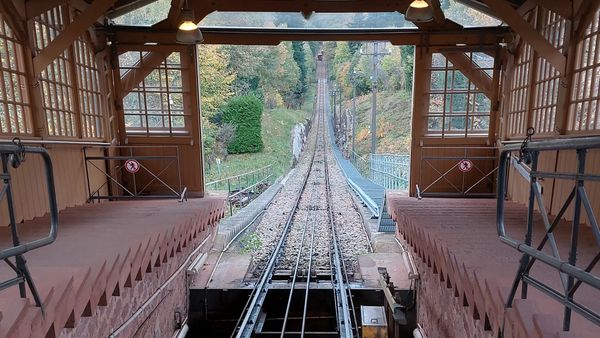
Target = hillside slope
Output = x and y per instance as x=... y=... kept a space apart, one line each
x=394 y=113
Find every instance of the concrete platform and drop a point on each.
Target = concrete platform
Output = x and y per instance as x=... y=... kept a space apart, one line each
x=101 y=250
x=393 y=262
x=456 y=241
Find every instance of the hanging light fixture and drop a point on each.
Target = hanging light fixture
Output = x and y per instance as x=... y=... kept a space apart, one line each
x=188 y=32
x=419 y=11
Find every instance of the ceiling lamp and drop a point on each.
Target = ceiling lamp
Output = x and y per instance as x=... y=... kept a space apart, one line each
x=419 y=11
x=188 y=32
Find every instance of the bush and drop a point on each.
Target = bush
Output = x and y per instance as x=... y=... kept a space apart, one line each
x=245 y=113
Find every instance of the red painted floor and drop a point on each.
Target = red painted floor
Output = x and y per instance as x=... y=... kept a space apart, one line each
x=457 y=238
x=100 y=249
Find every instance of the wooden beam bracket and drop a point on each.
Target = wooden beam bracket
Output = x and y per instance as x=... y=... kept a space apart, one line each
x=529 y=34
x=70 y=33
x=480 y=78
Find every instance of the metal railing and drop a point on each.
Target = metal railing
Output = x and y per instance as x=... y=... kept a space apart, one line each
x=391 y=171
x=361 y=164
x=12 y=156
x=134 y=174
x=241 y=188
x=459 y=171
x=572 y=276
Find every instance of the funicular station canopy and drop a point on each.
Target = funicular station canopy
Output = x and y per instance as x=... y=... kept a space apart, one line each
x=83 y=89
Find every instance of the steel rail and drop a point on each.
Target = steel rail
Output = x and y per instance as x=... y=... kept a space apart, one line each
x=297 y=263
x=342 y=292
x=307 y=287
x=251 y=311
x=260 y=291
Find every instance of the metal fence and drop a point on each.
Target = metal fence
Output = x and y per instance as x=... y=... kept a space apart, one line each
x=132 y=173
x=391 y=171
x=242 y=189
x=361 y=164
x=459 y=171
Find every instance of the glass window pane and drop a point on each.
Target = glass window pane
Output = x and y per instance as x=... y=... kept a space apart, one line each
x=460 y=81
x=434 y=124
x=436 y=103
x=437 y=80
x=459 y=103
x=438 y=60
x=481 y=104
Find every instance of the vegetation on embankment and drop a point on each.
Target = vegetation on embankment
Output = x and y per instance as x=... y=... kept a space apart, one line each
x=393 y=122
x=277 y=126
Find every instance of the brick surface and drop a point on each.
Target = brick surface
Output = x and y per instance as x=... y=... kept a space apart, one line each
x=109 y=258
x=466 y=272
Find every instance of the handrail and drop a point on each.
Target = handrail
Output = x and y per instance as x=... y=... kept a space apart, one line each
x=447 y=171
x=14 y=155
x=240 y=175
x=373 y=207
x=135 y=189
x=23 y=248
x=392 y=171
x=58 y=142
x=571 y=275
x=251 y=181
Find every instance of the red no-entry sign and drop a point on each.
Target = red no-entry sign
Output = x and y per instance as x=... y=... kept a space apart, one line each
x=132 y=166
x=465 y=165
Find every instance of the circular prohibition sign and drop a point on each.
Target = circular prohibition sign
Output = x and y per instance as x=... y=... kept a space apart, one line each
x=132 y=166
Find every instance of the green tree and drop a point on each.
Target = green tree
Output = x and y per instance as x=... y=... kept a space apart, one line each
x=245 y=113
x=215 y=79
x=300 y=58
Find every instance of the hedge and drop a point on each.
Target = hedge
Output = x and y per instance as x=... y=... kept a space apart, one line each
x=245 y=113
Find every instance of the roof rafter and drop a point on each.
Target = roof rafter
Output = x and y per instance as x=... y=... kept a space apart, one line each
x=141 y=70
x=79 y=25
x=480 y=78
x=561 y=7
x=35 y=8
x=14 y=19
x=438 y=14
x=584 y=16
x=172 y=17
x=204 y=7
x=527 y=7
x=489 y=36
x=529 y=34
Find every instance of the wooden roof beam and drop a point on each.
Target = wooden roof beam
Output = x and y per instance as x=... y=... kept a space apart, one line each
x=35 y=8
x=141 y=70
x=561 y=7
x=173 y=16
x=529 y=34
x=480 y=78
x=489 y=36
x=15 y=20
x=127 y=8
x=79 y=25
x=204 y=7
x=81 y=6
x=527 y=7
x=438 y=14
x=584 y=15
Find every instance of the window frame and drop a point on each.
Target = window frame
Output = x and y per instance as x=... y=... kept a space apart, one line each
x=448 y=93
x=173 y=134
x=17 y=86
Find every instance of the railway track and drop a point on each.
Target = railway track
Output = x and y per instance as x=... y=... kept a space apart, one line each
x=307 y=255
